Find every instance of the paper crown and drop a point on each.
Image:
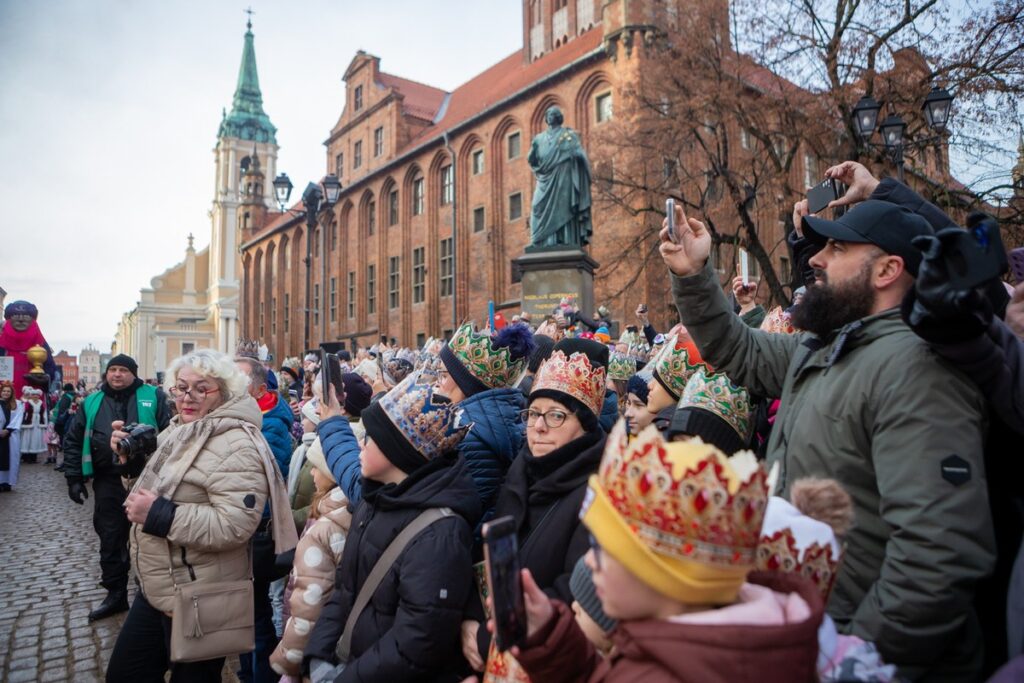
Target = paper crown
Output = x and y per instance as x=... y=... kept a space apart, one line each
x=682 y=517
x=248 y=348
x=429 y=427
x=574 y=376
x=715 y=393
x=493 y=366
x=778 y=322
x=676 y=363
x=621 y=366
x=795 y=543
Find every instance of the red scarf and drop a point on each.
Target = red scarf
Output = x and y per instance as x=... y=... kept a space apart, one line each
x=16 y=344
x=267 y=401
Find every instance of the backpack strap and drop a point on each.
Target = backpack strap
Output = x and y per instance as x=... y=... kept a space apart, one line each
x=380 y=569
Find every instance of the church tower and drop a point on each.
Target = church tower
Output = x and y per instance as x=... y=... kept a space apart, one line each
x=246 y=134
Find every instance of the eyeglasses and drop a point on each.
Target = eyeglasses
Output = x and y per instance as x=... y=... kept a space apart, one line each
x=552 y=418
x=197 y=394
x=596 y=547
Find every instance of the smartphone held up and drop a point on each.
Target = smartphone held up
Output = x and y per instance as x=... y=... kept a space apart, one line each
x=670 y=216
x=504 y=578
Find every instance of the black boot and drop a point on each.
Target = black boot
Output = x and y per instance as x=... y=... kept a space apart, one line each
x=115 y=603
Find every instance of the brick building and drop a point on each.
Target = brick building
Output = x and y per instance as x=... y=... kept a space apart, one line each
x=68 y=365
x=437 y=190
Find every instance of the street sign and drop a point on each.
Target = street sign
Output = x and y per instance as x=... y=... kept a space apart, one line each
x=7 y=368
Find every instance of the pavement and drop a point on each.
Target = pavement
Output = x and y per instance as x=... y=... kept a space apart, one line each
x=49 y=582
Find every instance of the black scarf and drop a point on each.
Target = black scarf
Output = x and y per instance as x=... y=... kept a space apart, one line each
x=5 y=442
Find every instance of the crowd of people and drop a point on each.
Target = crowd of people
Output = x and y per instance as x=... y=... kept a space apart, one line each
x=817 y=492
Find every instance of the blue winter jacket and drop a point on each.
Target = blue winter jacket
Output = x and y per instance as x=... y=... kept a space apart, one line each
x=609 y=411
x=277 y=430
x=341 y=451
x=496 y=437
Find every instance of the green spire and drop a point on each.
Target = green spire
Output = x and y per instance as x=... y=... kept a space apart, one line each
x=247 y=119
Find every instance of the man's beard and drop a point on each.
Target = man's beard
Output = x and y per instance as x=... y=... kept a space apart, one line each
x=825 y=308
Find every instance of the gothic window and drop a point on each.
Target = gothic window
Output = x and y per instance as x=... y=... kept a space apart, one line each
x=447 y=267
x=417 y=197
x=514 y=144
x=478 y=162
x=603 y=107
x=478 y=219
x=393 y=207
x=351 y=294
x=393 y=281
x=371 y=289
x=316 y=303
x=357 y=97
x=371 y=217
x=339 y=165
x=287 y=311
x=446 y=184
x=334 y=299
x=419 y=275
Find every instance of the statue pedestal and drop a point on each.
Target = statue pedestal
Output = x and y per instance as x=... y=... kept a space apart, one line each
x=549 y=275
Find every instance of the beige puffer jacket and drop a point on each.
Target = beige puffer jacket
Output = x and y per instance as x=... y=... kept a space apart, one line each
x=312 y=579
x=220 y=498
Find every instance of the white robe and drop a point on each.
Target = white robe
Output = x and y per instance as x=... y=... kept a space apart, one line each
x=11 y=476
x=33 y=432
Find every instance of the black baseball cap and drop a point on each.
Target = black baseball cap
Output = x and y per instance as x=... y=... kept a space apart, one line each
x=888 y=226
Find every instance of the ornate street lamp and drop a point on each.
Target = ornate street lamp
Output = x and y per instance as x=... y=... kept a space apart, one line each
x=865 y=117
x=332 y=188
x=282 y=189
x=892 y=130
x=936 y=108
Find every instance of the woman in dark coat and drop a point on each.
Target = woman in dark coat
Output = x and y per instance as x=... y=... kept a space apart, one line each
x=546 y=483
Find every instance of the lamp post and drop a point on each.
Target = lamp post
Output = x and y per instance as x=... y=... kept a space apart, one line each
x=936 y=109
x=316 y=197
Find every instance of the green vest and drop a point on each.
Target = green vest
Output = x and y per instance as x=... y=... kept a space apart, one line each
x=145 y=405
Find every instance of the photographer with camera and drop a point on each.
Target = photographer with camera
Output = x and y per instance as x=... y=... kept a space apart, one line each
x=122 y=399
x=864 y=401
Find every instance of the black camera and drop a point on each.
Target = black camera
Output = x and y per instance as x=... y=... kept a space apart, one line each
x=141 y=440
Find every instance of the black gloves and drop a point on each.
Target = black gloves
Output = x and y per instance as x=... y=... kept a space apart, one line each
x=77 y=491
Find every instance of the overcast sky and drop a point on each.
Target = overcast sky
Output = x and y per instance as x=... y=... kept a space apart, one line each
x=109 y=113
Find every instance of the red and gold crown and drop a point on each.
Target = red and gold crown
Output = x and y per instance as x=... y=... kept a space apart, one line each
x=683 y=517
x=778 y=322
x=795 y=543
x=574 y=376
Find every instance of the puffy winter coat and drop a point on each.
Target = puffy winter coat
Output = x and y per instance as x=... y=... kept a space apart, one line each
x=493 y=442
x=277 y=430
x=312 y=579
x=341 y=452
x=209 y=515
x=782 y=649
x=609 y=411
x=544 y=496
x=873 y=407
x=409 y=631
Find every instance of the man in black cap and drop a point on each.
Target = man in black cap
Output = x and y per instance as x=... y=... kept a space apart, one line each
x=866 y=402
x=124 y=398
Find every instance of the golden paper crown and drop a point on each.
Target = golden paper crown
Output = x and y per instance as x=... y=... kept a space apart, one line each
x=795 y=543
x=574 y=376
x=778 y=322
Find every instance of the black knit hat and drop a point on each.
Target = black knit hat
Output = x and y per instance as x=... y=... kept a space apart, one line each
x=389 y=438
x=711 y=429
x=357 y=393
x=124 y=361
x=545 y=345
x=582 y=586
x=594 y=350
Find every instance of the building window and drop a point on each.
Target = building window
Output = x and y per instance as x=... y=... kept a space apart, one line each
x=187 y=347
x=785 y=272
x=447 y=263
x=351 y=294
x=334 y=299
x=478 y=219
x=514 y=144
x=393 y=280
x=378 y=141
x=417 y=197
x=371 y=217
x=810 y=170
x=316 y=303
x=357 y=154
x=745 y=138
x=287 y=255
x=446 y=184
x=478 y=162
x=273 y=315
x=357 y=97
x=393 y=207
x=419 y=275
x=287 y=312
x=515 y=206
x=339 y=165
x=421 y=339
x=371 y=289
x=603 y=107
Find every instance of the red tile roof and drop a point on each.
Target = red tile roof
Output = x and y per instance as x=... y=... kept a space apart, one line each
x=419 y=100
x=504 y=79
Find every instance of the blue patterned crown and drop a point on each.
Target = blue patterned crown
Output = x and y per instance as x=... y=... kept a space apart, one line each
x=429 y=427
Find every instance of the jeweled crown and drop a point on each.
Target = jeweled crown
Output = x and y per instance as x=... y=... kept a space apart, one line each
x=574 y=376
x=493 y=366
x=676 y=363
x=620 y=366
x=716 y=393
x=430 y=427
x=686 y=500
x=248 y=348
x=794 y=543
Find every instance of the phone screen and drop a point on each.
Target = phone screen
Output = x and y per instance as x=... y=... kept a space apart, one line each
x=821 y=195
x=670 y=214
x=501 y=551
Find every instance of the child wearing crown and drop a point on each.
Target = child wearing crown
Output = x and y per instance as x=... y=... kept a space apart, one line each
x=674 y=529
x=408 y=627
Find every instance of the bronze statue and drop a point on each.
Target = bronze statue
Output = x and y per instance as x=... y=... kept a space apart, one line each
x=560 y=214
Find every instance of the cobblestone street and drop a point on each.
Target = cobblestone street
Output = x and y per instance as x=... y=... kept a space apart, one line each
x=49 y=581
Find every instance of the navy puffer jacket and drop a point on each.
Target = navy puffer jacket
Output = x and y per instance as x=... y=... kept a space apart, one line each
x=494 y=440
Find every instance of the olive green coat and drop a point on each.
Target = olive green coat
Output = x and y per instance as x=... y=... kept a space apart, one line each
x=874 y=408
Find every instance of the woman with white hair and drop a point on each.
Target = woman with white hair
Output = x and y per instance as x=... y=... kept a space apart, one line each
x=194 y=509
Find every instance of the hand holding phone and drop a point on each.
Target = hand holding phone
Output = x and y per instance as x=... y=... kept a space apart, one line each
x=670 y=216
x=821 y=195
x=1017 y=264
x=501 y=555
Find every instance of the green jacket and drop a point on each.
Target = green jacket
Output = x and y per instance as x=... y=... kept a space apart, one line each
x=875 y=409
